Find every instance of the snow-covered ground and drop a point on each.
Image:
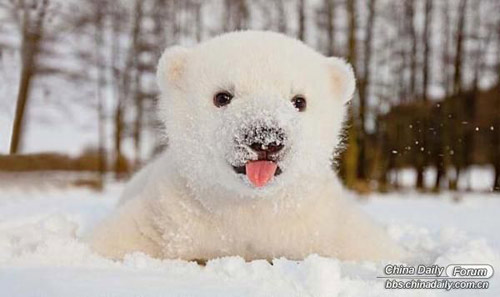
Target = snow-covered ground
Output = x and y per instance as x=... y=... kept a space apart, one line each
x=42 y=252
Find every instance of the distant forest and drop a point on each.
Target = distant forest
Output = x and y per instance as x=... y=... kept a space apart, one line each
x=428 y=92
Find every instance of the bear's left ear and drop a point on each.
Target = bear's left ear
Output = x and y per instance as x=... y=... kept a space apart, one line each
x=342 y=77
x=171 y=67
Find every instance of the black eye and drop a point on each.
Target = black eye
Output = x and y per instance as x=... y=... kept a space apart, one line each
x=222 y=98
x=299 y=102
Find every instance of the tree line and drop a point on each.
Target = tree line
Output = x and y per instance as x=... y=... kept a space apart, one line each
x=423 y=68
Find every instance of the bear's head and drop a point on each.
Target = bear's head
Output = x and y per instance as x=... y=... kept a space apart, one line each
x=252 y=114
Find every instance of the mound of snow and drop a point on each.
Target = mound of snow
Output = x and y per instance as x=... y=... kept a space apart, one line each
x=42 y=254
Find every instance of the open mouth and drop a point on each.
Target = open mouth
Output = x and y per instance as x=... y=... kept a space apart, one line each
x=259 y=172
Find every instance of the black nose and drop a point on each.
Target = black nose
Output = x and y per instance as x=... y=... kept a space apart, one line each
x=270 y=148
x=264 y=140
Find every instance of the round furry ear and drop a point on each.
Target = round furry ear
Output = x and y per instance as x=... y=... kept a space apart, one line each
x=342 y=77
x=171 y=67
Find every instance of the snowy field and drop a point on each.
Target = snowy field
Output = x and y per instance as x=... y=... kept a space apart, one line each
x=42 y=252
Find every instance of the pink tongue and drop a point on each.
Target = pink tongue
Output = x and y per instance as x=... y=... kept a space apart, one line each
x=260 y=172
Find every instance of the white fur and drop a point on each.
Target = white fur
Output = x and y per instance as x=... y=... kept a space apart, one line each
x=190 y=204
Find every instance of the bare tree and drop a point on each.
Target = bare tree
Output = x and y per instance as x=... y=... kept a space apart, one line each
x=330 y=26
x=435 y=145
x=198 y=17
x=363 y=91
x=32 y=19
x=237 y=15
x=325 y=20
x=351 y=38
x=496 y=124
x=410 y=27
x=427 y=48
x=352 y=152
x=121 y=87
x=135 y=52
x=301 y=7
x=459 y=47
x=160 y=17
x=457 y=114
x=419 y=131
x=424 y=156
x=282 y=16
x=100 y=81
x=445 y=57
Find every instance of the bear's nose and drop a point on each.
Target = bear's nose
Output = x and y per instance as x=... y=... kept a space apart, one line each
x=270 y=148
x=266 y=141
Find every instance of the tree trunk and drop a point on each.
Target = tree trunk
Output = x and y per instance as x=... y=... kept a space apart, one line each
x=496 y=126
x=460 y=34
x=330 y=27
x=138 y=96
x=423 y=158
x=199 y=21
x=119 y=93
x=454 y=181
x=363 y=92
x=457 y=130
x=282 y=17
x=160 y=15
x=352 y=25
x=496 y=182
x=350 y=157
x=446 y=47
x=236 y=15
x=351 y=154
x=302 y=20
x=439 y=174
x=420 y=177
x=427 y=49
x=27 y=72
x=410 y=19
x=99 y=64
x=32 y=30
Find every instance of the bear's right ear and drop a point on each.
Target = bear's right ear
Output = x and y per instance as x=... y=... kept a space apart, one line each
x=171 y=67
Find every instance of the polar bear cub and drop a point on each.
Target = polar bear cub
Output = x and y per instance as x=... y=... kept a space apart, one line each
x=252 y=120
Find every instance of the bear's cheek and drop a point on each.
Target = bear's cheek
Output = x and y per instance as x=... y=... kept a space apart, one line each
x=316 y=131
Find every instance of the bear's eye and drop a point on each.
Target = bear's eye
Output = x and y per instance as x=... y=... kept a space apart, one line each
x=222 y=98
x=299 y=102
